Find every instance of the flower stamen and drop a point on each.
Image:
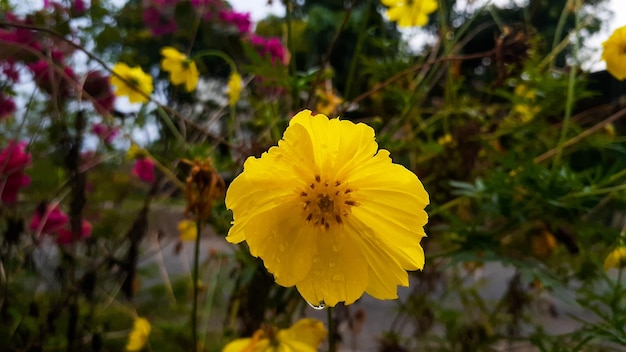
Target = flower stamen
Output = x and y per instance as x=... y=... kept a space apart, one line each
x=329 y=201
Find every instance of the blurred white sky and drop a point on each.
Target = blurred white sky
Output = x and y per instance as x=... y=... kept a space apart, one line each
x=593 y=45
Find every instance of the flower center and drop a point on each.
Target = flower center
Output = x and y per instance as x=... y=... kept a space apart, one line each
x=325 y=203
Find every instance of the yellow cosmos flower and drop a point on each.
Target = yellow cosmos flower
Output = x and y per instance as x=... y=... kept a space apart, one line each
x=182 y=69
x=187 y=230
x=615 y=53
x=330 y=213
x=327 y=102
x=304 y=336
x=134 y=83
x=234 y=88
x=410 y=13
x=139 y=335
x=616 y=259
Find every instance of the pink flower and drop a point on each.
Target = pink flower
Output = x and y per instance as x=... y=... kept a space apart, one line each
x=78 y=8
x=105 y=132
x=13 y=161
x=99 y=88
x=50 y=80
x=240 y=20
x=7 y=106
x=144 y=169
x=159 y=25
x=65 y=234
x=269 y=47
x=48 y=220
x=9 y=70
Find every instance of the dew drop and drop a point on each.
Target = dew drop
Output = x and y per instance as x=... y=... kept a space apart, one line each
x=331 y=264
x=281 y=247
x=320 y=306
x=339 y=278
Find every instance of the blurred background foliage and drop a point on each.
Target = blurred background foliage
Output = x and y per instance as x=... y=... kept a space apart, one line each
x=522 y=152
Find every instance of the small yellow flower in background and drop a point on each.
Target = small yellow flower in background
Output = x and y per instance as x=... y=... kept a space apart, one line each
x=182 y=69
x=616 y=259
x=410 y=13
x=446 y=139
x=304 y=336
x=139 y=335
x=615 y=53
x=131 y=82
x=187 y=230
x=327 y=102
x=330 y=213
x=235 y=84
x=525 y=108
x=543 y=243
x=135 y=152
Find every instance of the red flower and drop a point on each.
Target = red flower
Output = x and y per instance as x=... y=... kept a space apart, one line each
x=13 y=161
x=48 y=220
x=65 y=235
x=144 y=169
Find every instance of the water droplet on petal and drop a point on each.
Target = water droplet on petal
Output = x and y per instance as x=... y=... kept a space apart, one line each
x=281 y=247
x=339 y=278
x=320 y=306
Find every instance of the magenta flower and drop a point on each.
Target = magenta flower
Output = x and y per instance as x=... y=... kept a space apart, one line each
x=65 y=234
x=9 y=70
x=98 y=86
x=240 y=20
x=159 y=24
x=269 y=47
x=105 y=132
x=13 y=161
x=7 y=106
x=50 y=80
x=78 y=8
x=48 y=220
x=144 y=169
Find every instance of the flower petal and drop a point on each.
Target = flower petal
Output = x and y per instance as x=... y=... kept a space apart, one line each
x=306 y=334
x=286 y=246
x=339 y=272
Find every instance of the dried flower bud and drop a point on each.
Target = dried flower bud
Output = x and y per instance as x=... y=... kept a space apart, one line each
x=203 y=186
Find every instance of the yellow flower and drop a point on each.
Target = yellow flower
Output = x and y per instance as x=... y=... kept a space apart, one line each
x=525 y=108
x=410 y=13
x=187 y=230
x=182 y=69
x=327 y=102
x=615 y=53
x=131 y=82
x=234 y=88
x=304 y=336
x=616 y=259
x=330 y=213
x=135 y=152
x=139 y=335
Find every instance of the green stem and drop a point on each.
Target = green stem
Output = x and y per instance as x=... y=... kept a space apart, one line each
x=357 y=51
x=570 y=94
x=331 y=330
x=196 y=271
